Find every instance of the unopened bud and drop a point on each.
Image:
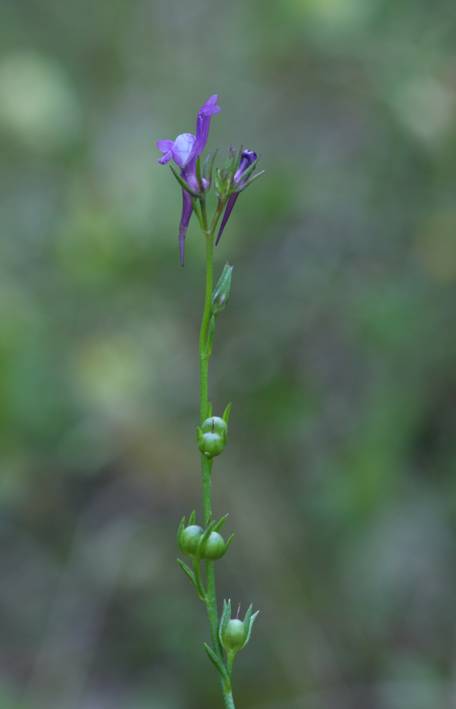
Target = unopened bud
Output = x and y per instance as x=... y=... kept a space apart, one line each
x=222 y=290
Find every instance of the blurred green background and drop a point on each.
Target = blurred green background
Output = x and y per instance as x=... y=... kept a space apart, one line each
x=338 y=351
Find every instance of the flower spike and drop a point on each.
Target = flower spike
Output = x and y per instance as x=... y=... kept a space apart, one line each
x=204 y=544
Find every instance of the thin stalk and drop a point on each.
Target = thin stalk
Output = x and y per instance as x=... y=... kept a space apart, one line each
x=206 y=464
x=228 y=697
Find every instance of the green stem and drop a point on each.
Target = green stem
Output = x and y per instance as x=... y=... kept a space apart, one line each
x=228 y=697
x=206 y=464
x=226 y=686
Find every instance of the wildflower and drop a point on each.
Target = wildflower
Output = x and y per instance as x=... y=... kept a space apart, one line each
x=185 y=151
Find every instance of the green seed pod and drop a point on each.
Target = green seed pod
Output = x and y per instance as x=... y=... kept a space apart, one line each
x=189 y=538
x=214 y=548
x=211 y=444
x=215 y=424
x=234 y=635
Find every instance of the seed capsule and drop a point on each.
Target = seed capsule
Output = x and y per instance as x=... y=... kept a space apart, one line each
x=215 y=424
x=211 y=444
x=234 y=635
x=214 y=548
x=189 y=539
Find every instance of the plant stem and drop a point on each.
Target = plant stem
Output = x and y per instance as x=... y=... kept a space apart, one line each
x=228 y=697
x=206 y=464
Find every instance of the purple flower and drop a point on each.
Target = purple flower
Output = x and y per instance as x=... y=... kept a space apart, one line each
x=185 y=151
x=248 y=158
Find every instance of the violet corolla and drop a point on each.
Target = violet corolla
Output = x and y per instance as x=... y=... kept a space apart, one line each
x=185 y=151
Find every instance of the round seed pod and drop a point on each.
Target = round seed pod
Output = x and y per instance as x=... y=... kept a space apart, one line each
x=233 y=635
x=215 y=424
x=189 y=539
x=211 y=444
x=214 y=547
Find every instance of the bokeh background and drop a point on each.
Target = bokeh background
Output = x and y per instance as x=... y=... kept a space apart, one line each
x=338 y=350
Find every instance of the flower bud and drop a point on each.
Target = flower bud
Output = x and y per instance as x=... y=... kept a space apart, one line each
x=189 y=538
x=222 y=290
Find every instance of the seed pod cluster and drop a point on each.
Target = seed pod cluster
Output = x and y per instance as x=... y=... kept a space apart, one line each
x=201 y=543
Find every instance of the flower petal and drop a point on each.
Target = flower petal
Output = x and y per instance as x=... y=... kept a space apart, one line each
x=182 y=148
x=203 y=123
x=228 y=209
x=165 y=158
x=211 y=106
x=165 y=146
x=248 y=157
x=187 y=209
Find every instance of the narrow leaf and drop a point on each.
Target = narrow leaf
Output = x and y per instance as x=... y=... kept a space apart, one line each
x=216 y=661
x=187 y=571
x=182 y=183
x=227 y=413
x=198 y=582
x=210 y=335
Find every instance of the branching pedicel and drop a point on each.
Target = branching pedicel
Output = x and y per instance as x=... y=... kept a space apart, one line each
x=204 y=543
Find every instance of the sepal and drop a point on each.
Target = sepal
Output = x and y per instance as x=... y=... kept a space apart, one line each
x=217 y=662
x=187 y=571
x=185 y=186
x=252 y=179
x=208 y=167
x=227 y=413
